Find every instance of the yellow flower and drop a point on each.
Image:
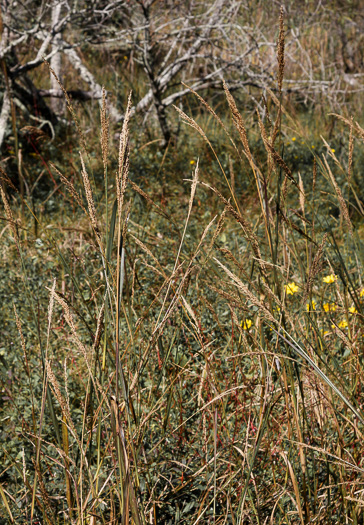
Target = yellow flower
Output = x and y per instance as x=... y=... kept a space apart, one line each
x=329 y=307
x=311 y=306
x=192 y=162
x=353 y=310
x=293 y=138
x=329 y=279
x=291 y=288
x=342 y=324
x=332 y=149
x=247 y=324
x=362 y=293
x=313 y=147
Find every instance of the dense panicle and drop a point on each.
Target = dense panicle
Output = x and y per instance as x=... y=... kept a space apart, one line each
x=280 y=50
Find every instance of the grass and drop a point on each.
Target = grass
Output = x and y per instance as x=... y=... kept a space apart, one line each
x=187 y=351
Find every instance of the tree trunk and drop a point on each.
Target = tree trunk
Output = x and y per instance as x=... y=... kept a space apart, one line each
x=4 y=116
x=57 y=104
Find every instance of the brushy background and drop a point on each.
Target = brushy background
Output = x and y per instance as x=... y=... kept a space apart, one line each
x=182 y=326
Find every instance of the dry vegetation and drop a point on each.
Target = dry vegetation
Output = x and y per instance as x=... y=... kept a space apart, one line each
x=185 y=344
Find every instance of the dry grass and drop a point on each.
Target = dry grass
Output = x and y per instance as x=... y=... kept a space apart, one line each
x=195 y=383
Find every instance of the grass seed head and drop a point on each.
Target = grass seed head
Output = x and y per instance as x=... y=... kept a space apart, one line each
x=104 y=138
x=280 y=51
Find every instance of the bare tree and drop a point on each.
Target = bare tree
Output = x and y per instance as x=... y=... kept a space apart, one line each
x=197 y=42
x=168 y=42
x=33 y=32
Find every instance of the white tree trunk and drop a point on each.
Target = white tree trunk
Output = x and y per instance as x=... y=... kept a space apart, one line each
x=4 y=116
x=88 y=77
x=57 y=104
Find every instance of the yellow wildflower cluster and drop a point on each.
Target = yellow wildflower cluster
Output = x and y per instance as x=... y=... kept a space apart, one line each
x=247 y=324
x=329 y=279
x=343 y=324
x=291 y=288
x=329 y=307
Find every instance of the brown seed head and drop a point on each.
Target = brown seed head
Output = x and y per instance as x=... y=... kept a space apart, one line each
x=280 y=51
